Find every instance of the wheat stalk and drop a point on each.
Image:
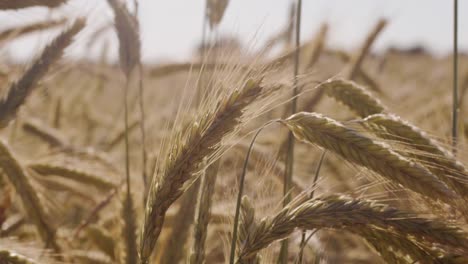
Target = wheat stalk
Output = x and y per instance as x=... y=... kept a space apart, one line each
x=203 y=140
x=21 y=89
x=349 y=144
x=353 y=215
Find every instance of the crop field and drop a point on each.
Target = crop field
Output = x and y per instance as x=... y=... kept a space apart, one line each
x=296 y=152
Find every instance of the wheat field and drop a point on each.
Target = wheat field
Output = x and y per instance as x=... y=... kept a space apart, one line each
x=312 y=155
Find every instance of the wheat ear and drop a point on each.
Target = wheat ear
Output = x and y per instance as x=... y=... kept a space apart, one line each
x=129 y=38
x=73 y=173
x=48 y=134
x=203 y=140
x=354 y=96
x=215 y=11
x=15 y=32
x=17 y=4
x=10 y=257
x=442 y=163
x=21 y=89
x=349 y=144
x=19 y=177
x=359 y=58
x=353 y=215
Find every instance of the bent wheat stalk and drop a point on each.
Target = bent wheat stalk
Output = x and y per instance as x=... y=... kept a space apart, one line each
x=21 y=89
x=314 y=128
x=353 y=215
x=203 y=140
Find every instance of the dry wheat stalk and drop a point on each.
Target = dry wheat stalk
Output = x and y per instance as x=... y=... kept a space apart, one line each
x=314 y=128
x=73 y=173
x=354 y=96
x=442 y=163
x=15 y=32
x=203 y=140
x=203 y=214
x=17 y=4
x=21 y=89
x=353 y=215
x=18 y=176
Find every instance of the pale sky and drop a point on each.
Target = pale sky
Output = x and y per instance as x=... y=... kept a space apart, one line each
x=171 y=28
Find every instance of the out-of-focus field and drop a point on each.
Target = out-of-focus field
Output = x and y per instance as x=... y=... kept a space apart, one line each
x=63 y=188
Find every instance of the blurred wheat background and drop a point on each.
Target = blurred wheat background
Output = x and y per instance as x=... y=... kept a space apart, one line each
x=233 y=132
